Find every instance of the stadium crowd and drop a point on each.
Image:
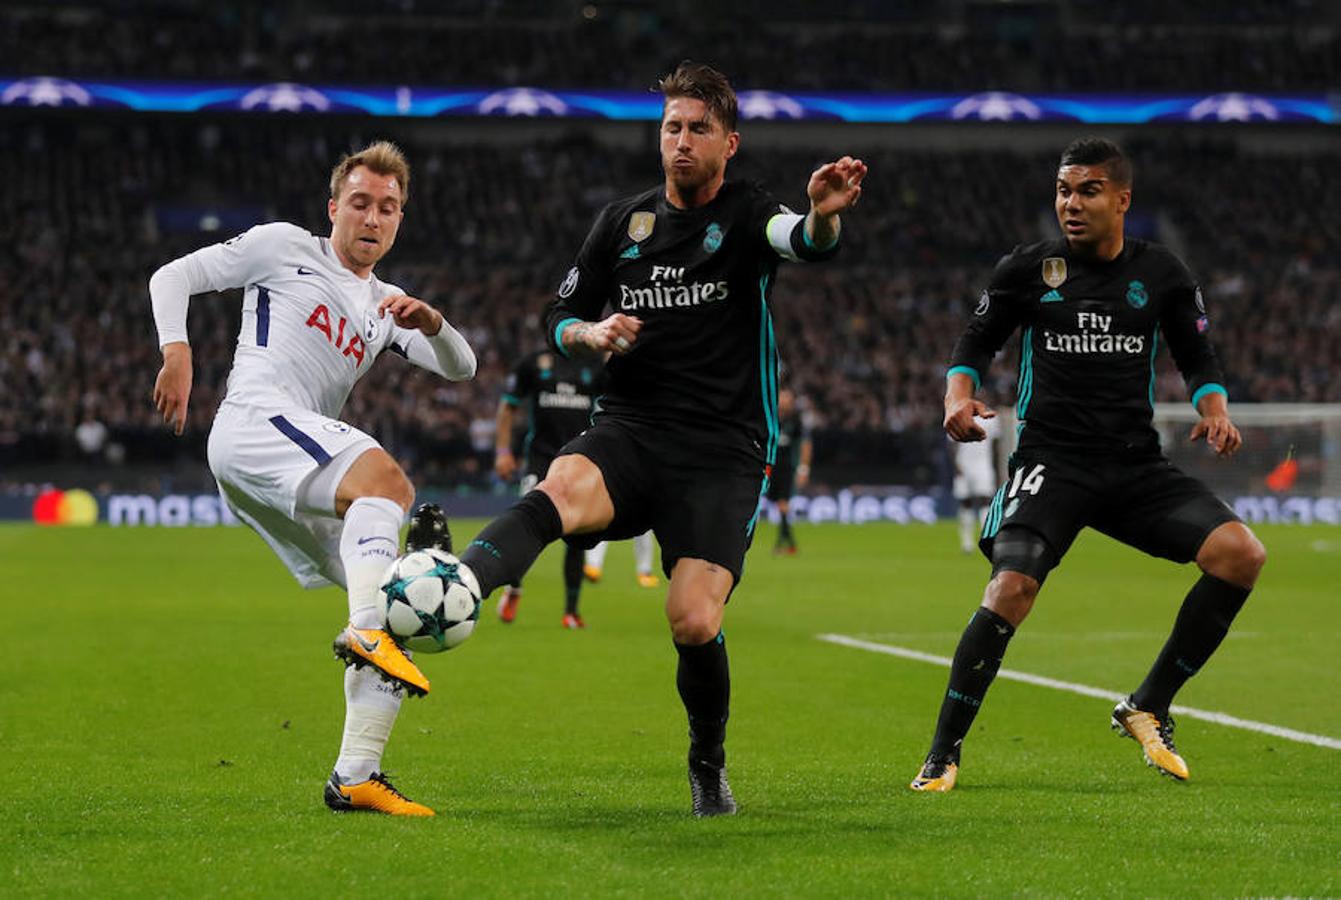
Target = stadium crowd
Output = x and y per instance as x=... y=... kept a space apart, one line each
x=490 y=230
x=1064 y=45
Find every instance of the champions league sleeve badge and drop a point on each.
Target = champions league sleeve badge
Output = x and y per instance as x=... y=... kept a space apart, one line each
x=1054 y=271
x=569 y=284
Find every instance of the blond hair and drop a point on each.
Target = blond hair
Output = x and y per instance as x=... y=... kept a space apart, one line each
x=382 y=158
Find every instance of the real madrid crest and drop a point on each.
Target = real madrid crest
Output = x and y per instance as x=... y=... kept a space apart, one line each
x=1054 y=271
x=641 y=225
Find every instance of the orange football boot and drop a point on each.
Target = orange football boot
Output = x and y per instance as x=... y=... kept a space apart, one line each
x=374 y=647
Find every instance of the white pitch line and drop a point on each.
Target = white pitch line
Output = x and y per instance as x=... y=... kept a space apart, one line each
x=1289 y=734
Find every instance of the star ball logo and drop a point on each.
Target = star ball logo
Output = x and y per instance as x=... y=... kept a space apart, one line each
x=57 y=507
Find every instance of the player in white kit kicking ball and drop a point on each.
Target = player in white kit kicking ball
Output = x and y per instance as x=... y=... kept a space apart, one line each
x=325 y=496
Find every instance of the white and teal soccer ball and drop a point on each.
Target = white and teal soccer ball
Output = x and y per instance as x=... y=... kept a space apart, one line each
x=432 y=601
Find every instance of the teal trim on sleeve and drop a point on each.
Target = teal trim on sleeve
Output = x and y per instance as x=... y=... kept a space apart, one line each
x=558 y=332
x=810 y=244
x=966 y=370
x=511 y=400
x=1210 y=388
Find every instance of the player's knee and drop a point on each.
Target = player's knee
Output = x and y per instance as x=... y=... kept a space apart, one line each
x=1234 y=554
x=1011 y=595
x=695 y=626
x=391 y=482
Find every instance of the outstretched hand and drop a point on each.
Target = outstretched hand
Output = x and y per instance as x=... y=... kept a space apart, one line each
x=836 y=186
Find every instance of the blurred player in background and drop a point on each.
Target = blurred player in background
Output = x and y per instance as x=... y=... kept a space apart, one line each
x=325 y=496
x=593 y=564
x=975 y=479
x=688 y=427
x=791 y=472
x=559 y=394
x=1092 y=306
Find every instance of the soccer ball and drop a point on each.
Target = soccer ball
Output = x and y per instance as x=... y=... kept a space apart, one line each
x=432 y=602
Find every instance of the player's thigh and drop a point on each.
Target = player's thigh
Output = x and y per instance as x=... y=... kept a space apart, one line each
x=1161 y=510
x=707 y=514
x=600 y=484
x=272 y=456
x=1048 y=495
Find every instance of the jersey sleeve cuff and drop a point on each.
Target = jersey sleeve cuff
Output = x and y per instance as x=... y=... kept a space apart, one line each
x=972 y=373
x=511 y=400
x=558 y=333
x=1209 y=388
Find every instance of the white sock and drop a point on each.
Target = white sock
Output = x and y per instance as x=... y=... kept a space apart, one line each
x=967 y=522
x=642 y=553
x=369 y=543
x=371 y=705
x=596 y=555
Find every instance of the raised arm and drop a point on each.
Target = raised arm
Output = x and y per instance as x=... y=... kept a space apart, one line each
x=833 y=188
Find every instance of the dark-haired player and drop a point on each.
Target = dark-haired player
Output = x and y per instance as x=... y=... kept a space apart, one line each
x=1093 y=306
x=688 y=426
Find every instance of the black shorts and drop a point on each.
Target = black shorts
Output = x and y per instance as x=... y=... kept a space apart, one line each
x=781 y=482
x=1145 y=502
x=700 y=504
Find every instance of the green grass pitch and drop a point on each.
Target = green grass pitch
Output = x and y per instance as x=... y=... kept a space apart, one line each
x=169 y=709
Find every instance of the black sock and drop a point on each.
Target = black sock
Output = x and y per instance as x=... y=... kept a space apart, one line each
x=977 y=658
x=785 y=534
x=572 y=578
x=704 y=680
x=508 y=545
x=1201 y=625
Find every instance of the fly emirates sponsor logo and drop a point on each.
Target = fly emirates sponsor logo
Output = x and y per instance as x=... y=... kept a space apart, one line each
x=667 y=289
x=1095 y=337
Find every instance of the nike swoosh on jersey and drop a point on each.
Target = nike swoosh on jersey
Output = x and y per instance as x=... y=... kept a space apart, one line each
x=369 y=540
x=304 y=270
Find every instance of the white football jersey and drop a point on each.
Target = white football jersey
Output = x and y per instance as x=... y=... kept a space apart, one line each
x=310 y=327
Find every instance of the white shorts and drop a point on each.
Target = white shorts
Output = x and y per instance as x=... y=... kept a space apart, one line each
x=278 y=470
x=979 y=482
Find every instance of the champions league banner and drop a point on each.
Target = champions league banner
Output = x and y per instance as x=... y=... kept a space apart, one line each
x=525 y=102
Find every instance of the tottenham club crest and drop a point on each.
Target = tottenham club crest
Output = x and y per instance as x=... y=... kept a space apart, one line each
x=713 y=239
x=641 y=225
x=370 y=324
x=1054 y=271
x=1136 y=295
x=984 y=303
x=569 y=284
x=1200 y=301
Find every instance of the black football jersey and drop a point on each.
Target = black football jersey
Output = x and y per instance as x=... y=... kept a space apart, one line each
x=704 y=366
x=1091 y=332
x=559 y=395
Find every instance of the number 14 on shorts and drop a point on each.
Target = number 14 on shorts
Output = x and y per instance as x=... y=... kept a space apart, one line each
x=1028 y=483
